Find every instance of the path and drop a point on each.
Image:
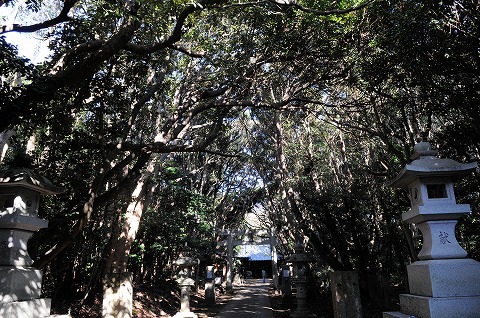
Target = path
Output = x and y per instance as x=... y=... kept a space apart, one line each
x=249 y=300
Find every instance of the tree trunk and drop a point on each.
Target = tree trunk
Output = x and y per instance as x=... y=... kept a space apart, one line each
x=282 y=174
x=134 y=211
x=5 y=143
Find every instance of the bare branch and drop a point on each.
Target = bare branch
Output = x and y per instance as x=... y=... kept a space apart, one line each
x=187 y=51
x=222 y=154
x=62 y=17
x=147 y=49
x=328 y=12
x=294 y=3
x=70 y=54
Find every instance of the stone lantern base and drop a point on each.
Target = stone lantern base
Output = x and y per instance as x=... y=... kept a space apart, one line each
x=34 y=308
x=302 y=310
x=447 y=288
x=20 y=289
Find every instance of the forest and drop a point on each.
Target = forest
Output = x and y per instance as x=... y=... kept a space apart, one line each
x=165 y=121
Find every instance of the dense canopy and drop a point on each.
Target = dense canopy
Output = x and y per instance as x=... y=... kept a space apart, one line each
x=168 y=120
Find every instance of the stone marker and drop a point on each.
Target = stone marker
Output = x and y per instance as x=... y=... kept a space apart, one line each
x=286 y=285
x=443 y=283
x=210 y=286
x=21 y=284
x=117 y=295
x=229 y=276
x=274 y=256
x=345 y=294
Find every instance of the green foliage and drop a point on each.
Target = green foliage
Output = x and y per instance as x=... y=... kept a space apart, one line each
x=354 y=91
x=14 y=72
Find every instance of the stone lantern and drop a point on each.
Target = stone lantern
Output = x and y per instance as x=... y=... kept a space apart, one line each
x=20 y=284
x=443 y=283
x=299 y=260
x=184 y=279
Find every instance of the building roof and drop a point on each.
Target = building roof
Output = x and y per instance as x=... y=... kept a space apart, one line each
x=255 y=252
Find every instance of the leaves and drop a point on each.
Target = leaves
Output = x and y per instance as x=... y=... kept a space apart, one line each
x=236 y=107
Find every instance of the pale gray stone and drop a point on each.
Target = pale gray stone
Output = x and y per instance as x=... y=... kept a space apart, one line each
x=34 y=308
x=439 y=240
x=444 y=278
x=345 y=294
x=440 y=307
x=19 y=283
x=117 y=296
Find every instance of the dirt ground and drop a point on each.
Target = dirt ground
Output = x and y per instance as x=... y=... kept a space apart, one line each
x=149 y=303
x=162 y=301
x=322 y=306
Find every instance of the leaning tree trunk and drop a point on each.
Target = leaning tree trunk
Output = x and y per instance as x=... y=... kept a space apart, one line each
x=140 y=199
x=117 y=283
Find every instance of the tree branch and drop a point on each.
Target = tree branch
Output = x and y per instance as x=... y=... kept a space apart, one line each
x=328 y=12
x=148 y=49
x=62 y=17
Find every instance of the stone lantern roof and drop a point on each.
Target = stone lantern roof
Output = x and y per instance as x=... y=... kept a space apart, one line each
x=299 y=256
x=426 y=164
x=26 y=178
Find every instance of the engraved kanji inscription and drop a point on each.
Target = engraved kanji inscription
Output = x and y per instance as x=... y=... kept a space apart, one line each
x=443 y=238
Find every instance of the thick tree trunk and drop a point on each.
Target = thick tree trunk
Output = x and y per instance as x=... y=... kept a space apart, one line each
x=140 y=199
x=282 y=174
x=109 y=251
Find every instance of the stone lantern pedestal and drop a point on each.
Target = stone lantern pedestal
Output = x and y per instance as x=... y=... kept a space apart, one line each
x=299 y=260
x=443 y=283
x=185 y=282
x=185 y=289
x=21 y=284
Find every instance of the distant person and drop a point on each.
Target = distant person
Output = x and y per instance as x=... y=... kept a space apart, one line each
x=264 y=275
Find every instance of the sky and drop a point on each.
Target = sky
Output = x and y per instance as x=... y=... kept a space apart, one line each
x=29 y=45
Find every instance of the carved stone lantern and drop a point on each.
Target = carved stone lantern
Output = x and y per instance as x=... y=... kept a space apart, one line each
x=299 y=261
x=444 y=283
x=184 y=265
x=20 y=288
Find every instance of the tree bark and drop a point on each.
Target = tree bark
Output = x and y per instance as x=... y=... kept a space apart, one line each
x=134 y=212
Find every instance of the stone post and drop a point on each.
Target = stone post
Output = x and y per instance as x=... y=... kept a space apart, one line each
x=117 y=295
x=443 y=283
x=273 y=249
x=197 y=275
x=210 y=286
x=21 y=284
x=229 y=278
x=286 y=285
x=184 y=264
x=299 y=260
x=345 y=294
